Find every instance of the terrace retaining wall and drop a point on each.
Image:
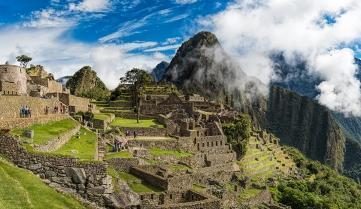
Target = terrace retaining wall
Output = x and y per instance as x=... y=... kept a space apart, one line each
x=88 y=180
x=59 y=141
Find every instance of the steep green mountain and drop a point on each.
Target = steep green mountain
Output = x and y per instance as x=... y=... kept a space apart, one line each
x=86 y=83
x=300 y=122
x=202 y=66
x=295 y=78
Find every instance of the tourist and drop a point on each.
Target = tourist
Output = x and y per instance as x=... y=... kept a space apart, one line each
x=22 y=111
x=135 y=134
x=29 y=112
x=26 y=111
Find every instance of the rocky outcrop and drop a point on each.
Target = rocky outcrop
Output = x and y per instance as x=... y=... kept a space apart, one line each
x=301 y=122
x=86 y=83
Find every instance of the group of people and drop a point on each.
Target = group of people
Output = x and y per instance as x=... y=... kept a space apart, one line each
x=55 y=110
x=119 y=144
x=127 y=133
x=25 y=112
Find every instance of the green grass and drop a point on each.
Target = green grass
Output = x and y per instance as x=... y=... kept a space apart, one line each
x=101 y=116
x=45 y=132
x=22 y=190
x=136 y=184
x=175 y=153
x=83 y=148
x=199 y=187
x=121 y=154
x=132 y=123
x=249 y=193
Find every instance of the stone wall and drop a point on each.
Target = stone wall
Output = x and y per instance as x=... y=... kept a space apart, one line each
x=189 y=199
x=26 y=122
x=59 y=141
x=149 y=177
x=8 y=88
x=15 y=74
x=171 y=183
x=87 y=179
x=75 y=103
x=80 y=103
x=54 y=86
x=165 y=144
x=123 y=164
x=146 y=131
x=10 y=105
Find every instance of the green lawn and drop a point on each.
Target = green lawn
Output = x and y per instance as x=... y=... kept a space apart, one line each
x=175 y=153
x=83 y=148
x=135 y=183
x=121 y=154
x=22 y=190
x=102 y=116
x=45 y=132
x=132 y=123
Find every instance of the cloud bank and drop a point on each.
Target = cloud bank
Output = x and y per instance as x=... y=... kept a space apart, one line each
x=320 y=32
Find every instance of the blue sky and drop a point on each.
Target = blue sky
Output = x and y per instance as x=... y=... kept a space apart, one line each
x=166 y=22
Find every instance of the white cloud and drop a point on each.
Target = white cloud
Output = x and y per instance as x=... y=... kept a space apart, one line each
x=48 y=18
x=63 y=56
x=340 y=90
x=91 y=6
x=252 y=30
x=163 y=48
x=176 y=18
x=185 y=1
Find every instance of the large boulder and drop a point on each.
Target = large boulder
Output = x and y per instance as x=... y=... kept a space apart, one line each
x=77 y=175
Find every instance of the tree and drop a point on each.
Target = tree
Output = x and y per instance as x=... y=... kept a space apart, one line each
x=24 y=60
x=238 y=134
x=137 y=78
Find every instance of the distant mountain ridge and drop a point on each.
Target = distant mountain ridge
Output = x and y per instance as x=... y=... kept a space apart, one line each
x=159 y=71
x=63 y=80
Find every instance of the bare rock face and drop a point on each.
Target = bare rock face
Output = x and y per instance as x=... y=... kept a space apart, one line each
x=77 y=175
x=303 y=123
x=124 y=196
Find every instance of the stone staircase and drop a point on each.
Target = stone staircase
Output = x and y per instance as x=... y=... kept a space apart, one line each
x=101 y=149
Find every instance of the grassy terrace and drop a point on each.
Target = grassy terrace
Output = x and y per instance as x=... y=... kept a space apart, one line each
x=83 y=147
x=45 y=132
x=121 y=154
x=136 y=184
x=102 y=116
x=161 y=152
x=21 y=189
x=132 y=123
